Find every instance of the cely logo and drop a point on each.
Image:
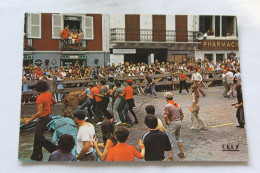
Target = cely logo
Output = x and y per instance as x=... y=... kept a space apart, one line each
x=230 y=147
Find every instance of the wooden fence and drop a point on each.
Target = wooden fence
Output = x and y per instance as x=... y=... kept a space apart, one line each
x=168 y=79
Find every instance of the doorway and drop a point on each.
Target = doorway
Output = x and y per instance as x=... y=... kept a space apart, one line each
x=179 y=58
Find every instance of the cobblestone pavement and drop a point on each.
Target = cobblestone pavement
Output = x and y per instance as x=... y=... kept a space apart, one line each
x=199 y=145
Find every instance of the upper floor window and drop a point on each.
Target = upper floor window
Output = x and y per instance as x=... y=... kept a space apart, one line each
x=85 y=23
x=206 y=25
x=228 y=26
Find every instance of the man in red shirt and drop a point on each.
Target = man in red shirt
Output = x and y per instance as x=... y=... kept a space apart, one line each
x=97 y=103
x=64 y=36
x=183 y=78
x=129 y=103
x=122 y=151
x=64 y=33
x=39 y=71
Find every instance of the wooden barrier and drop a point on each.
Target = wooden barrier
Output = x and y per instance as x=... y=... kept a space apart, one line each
x=170 y=79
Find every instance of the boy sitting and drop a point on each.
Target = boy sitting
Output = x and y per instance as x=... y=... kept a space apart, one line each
x=65 y=144
x=123 y=151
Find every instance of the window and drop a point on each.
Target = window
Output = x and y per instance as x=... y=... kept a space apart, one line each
x=33 y=25
x=206 y=25
x=59 y=21
x=208 y=57
x=217 y=26
x=228 y=26
x=219 y=57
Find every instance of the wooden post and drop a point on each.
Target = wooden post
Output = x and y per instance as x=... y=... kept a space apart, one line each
x=172 y=81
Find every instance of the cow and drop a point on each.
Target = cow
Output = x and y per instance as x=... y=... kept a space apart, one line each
x=71 y=101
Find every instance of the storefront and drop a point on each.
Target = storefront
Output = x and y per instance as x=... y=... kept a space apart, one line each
x=135 y=56
x=217 y=50
x=71 y=59
x=27 y=60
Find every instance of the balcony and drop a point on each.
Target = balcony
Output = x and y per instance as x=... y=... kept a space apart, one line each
x=28 y=44
x=149 y=35
x=72 y=45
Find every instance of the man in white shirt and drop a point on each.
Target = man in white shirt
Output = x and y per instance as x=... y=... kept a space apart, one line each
x=225 y=83
x=230 y=83
x=85 y=138
x=197 y=79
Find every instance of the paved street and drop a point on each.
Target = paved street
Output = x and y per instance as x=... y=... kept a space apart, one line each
x=199 y=145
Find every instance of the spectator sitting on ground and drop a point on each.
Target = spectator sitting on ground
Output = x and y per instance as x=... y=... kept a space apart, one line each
x=122 y=151
x=65 y=145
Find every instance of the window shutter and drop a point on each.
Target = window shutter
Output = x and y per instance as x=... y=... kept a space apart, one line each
x=34 y=25
x=217 y=26
x=201 y=24
x=88 y=28
x=224 y=26
x=57 y=25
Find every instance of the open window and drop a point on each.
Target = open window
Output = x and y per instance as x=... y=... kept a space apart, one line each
x=33 y=25
x=228 y=26
x=206 y=25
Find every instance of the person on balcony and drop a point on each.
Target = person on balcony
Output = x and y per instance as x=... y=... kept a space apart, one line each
x=74 y=38
x=64 y=36
x=80 y=37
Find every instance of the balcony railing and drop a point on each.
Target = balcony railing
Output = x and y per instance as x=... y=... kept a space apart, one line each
x=149 y=35
x=72 y=45
x=28 y=44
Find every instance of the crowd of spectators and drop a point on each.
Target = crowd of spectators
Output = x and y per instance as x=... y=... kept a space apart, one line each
x=76 y=71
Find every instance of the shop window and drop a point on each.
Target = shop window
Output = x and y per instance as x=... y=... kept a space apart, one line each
x=206 y=25
x=208 y=57
x=228 y=26
x=219 y=57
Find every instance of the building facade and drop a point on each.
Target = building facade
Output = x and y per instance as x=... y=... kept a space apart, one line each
x=43 y=44
x=134 y=38
x=221 y=38
x=146 y=38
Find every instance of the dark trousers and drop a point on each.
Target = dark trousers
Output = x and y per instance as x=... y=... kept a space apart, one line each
x=87 y=104
x=240 y=116
x=127 y=108
x=183 y=83
x=98 y=110
x=40 y=141
x=106 y=113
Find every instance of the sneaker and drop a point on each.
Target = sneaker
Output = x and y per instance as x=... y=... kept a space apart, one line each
x=192 y=128
x=29 y=102
x=23 y=103
x=86 y=118
x=156 y=96
x=123 y=124
x=93 y=118
x=118 y=123
x=99 y=123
